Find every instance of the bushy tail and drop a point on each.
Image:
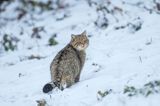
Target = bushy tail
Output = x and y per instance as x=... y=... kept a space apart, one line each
x=48 y=87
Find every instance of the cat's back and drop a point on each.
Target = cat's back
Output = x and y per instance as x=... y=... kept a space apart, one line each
x=65 y=55
x=65 y=60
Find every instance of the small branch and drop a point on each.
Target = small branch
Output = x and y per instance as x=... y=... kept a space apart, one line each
x=140 y=59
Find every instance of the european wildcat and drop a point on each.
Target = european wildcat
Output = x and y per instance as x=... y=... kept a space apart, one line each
x=67 y=65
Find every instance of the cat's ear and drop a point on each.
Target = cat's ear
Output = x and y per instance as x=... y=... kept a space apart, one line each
x=73 y=36
x=84 y=33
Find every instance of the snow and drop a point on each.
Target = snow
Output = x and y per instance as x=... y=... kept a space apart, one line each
x=115 y=58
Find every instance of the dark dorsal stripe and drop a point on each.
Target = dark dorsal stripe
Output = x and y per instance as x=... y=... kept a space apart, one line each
x=77 y=54
x=57 y=83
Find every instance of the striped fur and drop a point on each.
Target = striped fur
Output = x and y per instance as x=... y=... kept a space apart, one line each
x=67 y=65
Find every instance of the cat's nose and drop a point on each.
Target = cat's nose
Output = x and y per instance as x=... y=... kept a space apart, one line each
x=83 y=45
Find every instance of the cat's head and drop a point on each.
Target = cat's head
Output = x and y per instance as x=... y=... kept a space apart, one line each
x=80 y=41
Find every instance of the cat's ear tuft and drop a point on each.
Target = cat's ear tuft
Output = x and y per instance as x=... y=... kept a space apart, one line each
x=84 y=33
x=73 y=36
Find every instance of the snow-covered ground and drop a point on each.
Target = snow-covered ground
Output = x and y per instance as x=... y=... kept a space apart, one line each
x=118 y=55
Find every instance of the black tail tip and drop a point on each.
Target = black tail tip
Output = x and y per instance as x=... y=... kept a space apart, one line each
x=47 y=88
